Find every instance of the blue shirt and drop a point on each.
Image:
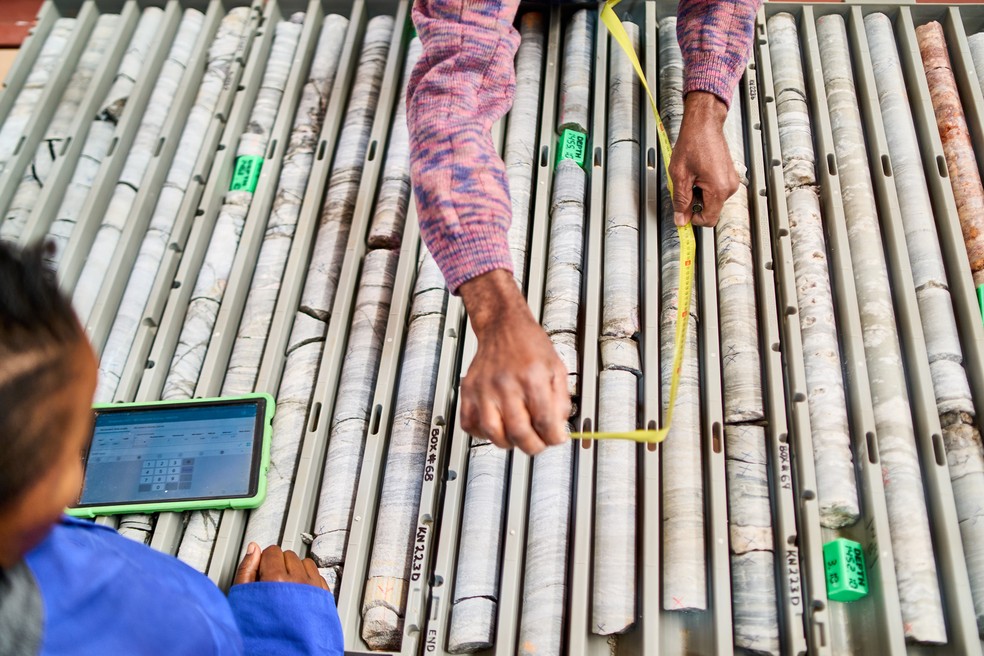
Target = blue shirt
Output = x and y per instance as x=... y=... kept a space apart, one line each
x=105 y=594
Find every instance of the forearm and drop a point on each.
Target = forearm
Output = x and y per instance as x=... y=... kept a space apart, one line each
x=463 y=83
x=716 y=39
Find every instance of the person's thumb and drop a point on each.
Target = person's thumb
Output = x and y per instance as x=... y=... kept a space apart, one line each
x=250 y=566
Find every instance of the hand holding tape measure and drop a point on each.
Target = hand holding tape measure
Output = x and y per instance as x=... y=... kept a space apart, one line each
x=687 y=248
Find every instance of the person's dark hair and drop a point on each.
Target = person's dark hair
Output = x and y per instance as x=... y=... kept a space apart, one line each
x=38 y=333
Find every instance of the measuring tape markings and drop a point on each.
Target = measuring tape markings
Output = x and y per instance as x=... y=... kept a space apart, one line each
x=688 y=250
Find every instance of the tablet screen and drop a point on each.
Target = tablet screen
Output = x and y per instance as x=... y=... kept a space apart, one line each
x=173 y=453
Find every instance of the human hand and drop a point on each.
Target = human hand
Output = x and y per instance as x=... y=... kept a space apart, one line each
x=279 y=566
x=701 y=158
x=515 y=392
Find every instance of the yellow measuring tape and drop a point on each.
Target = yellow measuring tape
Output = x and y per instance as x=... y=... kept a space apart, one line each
x=688 y=249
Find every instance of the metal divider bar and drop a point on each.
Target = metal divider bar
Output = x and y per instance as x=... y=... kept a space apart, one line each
x=712 y=437
x=53 y=191
x=650 y=545
x=418 y=596
x=34 y=131
x=27 y=55
x=438 y=616
x=879 y=557
x=225 y=554
x=303 y=501
x=962 y=630
x=580 y=638
x=107 y=302
x=809 y=540
x=512 y=565
x=789 y=562
x=168 y=530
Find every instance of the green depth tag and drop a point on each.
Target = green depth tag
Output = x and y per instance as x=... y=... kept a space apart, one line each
x=980 y=300
x=847 y=579
x=573 y=145
x=247 y=173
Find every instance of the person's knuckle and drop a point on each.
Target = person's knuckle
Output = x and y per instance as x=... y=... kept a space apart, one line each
x=531 y=446
x=504 y=383
x=489 y=430
x=545 y=427
x=469 y=411
x=531 y=376
x=469 y=384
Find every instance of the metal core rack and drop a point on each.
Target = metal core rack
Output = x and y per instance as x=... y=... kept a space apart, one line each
x=808 y=621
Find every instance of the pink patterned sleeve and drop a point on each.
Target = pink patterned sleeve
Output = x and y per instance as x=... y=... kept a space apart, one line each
x=462 y=84
x=716 y=39
x=465 y=81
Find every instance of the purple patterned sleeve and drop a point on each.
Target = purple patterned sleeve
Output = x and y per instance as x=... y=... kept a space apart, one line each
x=715 y=37
x=462 y=84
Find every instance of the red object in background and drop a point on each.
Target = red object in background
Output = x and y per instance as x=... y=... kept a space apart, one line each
x=16 y=18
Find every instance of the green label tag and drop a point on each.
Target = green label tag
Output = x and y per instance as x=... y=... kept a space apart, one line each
x=847 y=578
x=980 y=300
x=247 y=173
x=573 y=145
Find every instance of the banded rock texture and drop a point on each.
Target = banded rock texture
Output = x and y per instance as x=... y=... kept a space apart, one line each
x=96 y=148
x=247 y=352
x=352 y=409
x=311 y=321
x=575 y=79
x=50 y=149
x=753 y=588
x=740 y=359
x=919 y=593
x=384 y=604
x=521 y=135
x=390 y=215
x=541 y=622
x=343 y=185
x=244 y=363
x=13 y=126
x=961 y=437
x=961 y=162
x=614 y=572
x=832 y=457
x=228 y=41
x=213 y=278
x=684 y=562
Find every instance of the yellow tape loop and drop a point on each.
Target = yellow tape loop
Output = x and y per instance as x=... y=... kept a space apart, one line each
x=688 y=249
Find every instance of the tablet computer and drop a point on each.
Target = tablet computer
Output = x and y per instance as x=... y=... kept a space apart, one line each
x=177 y=455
